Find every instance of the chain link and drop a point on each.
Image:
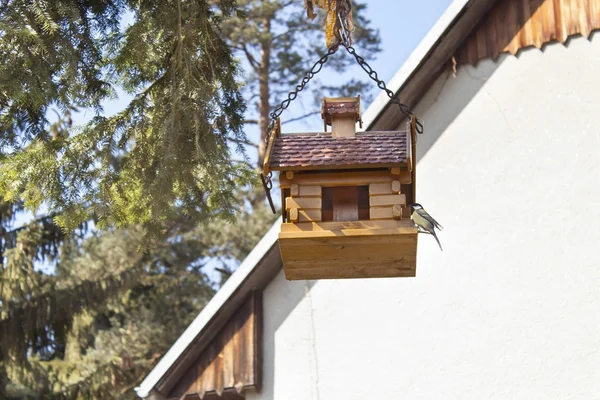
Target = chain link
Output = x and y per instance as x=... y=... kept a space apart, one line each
x=381 y=84
x=316 y=68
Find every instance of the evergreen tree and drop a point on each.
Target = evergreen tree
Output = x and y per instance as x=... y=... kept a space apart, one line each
x=162 y=165
x=83 y=313
x=166 y=152
x=96 y=326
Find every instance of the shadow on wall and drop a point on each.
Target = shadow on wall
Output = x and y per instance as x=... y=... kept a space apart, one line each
x=289 y=295
x=450 y=94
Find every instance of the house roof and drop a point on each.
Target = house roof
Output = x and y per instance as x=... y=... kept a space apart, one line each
x=411 y=80
x=324 y=151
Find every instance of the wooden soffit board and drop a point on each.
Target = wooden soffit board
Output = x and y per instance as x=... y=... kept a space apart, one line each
x=231 y=363
x=512 y=25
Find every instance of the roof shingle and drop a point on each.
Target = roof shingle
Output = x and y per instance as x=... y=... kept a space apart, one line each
x=324 y=151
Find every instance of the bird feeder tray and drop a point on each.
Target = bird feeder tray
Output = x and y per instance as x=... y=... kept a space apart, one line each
x=345 y=198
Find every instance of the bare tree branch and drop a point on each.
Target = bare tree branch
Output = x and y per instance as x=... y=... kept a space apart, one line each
x=251 y=121
x=253 y=63
x=301 y=117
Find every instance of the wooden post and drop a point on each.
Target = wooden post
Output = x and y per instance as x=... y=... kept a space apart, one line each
x=294 y=215
x=343 y=126
x=413 y=140
x=397 y=211
x=294 y=190
x=396 y=187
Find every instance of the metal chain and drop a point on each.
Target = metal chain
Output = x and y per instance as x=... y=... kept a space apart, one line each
x=316 y=68
x=381 y=84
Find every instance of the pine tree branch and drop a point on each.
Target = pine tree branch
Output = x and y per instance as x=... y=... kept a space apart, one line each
x=44 y=219
x=242 y=162
x=244 y=142
x=37 y=318
x=292 y=30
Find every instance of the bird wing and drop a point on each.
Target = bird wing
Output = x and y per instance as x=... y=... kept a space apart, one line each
x=424 y=214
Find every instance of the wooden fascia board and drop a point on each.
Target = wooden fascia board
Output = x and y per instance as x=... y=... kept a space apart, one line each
x=341 y=167
x=343 y=178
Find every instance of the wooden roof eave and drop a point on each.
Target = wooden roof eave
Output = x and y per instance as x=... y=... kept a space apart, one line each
x=402 y=165
x=427 y=61
x=257 y=270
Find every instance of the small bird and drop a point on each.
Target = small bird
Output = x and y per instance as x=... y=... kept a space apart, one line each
x=425 y=221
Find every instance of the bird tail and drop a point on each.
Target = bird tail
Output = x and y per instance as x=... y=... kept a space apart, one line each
x=438 y=241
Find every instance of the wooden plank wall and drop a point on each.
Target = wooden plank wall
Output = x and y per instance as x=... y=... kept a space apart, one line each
x=386 y=201
x=304 y=205
x=512 y=25
x=231 y=363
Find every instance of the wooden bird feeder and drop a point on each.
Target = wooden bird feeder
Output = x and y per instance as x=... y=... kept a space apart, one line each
x=345 y=197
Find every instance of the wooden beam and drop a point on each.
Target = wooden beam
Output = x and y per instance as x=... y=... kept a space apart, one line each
x=310 y=216
x=304 y=203
x=294 y=215
x=397 y=211
x=380 y=188
x=396 y=187
x=389 y=200
x=348 y=228
x=329 y=167
x=381 y=213
x=413 y=172
x=343 y=126
x=294 y=190
x=310 y=191
x=350 y=256
x=274 y=135
x=335 y=179
x=399 y=267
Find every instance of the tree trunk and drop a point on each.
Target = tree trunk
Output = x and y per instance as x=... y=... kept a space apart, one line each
x=263 y=102
x=263 y=82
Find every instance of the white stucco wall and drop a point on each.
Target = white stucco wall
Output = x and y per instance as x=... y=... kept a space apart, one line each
x=510 y=165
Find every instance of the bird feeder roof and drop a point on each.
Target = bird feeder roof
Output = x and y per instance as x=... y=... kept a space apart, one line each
x=323 y=151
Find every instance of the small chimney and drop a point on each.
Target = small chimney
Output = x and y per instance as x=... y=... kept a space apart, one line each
x=342 y=114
